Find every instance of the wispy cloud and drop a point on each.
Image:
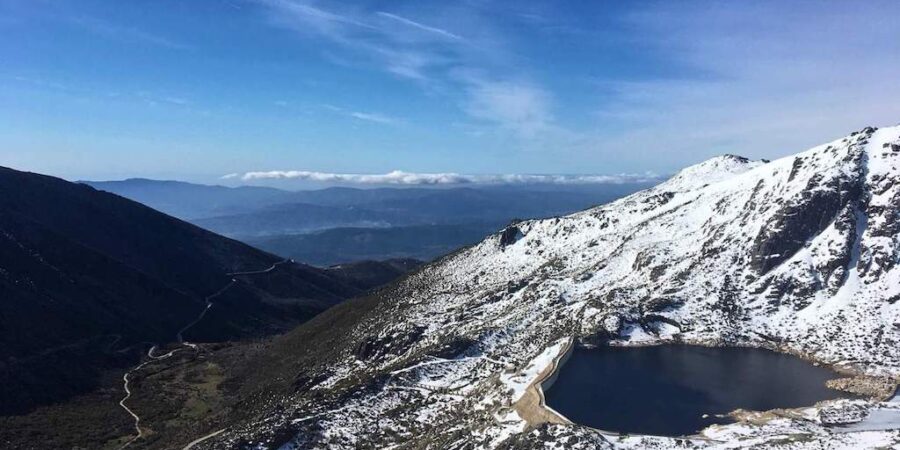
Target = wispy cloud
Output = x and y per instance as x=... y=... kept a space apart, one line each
x=129 y=34
x=420 y=26
x=176 y=101
x=777 y=83
x=519 y=107
x=320 y=20
x=398 y=177
x=374 y=117
x=755 y=79
x=91 y=93
x=437 y=58
x=155 y=99
x=366 y=36
x=42 y=83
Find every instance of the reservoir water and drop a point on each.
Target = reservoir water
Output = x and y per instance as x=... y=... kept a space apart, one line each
x=667 y=390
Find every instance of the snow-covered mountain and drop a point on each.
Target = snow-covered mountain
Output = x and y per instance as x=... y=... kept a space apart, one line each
x=801 y=255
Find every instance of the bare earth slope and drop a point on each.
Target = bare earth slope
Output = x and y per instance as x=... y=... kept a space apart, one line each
x=799 y=255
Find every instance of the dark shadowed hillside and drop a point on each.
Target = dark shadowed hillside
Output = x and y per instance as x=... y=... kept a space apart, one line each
x=86 y=275
x=369 y=274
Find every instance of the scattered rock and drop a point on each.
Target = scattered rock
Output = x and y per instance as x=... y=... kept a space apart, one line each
x=842 y=413
x=880 y=388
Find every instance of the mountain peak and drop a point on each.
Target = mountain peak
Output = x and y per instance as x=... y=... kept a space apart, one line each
x=712 y=170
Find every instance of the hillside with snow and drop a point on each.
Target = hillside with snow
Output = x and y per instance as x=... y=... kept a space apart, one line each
x=798 y=255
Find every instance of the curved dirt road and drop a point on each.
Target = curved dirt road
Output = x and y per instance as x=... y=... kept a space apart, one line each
x=179 y=337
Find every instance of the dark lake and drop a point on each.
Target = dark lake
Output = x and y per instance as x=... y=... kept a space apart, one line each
x=666 y=390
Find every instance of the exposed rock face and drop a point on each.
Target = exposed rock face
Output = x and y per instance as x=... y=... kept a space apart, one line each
x=799 y=254
x=510 y=235
x=811 y=211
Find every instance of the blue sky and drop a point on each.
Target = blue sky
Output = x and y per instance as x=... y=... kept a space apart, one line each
x=199 y=89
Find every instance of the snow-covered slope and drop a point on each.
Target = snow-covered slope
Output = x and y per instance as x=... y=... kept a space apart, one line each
x=801 y=254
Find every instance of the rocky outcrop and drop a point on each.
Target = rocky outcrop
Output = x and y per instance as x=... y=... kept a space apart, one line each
x=822 y=202
x=510 y=235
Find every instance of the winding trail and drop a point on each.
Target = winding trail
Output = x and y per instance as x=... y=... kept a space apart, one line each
x=137 y=419
x=180 y=338
x=259 y=272
x=199 y=440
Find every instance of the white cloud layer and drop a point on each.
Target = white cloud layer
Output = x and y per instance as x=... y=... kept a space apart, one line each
x=399 y=177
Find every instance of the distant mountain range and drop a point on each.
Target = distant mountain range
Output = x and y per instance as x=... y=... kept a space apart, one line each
x=192 y=201
x=337 y=245
x=376 y=223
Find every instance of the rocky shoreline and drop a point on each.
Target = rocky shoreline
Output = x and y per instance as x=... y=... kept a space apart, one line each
x=876 y=388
